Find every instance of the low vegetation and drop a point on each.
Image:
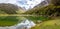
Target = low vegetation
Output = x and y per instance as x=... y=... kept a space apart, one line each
x=51 y=24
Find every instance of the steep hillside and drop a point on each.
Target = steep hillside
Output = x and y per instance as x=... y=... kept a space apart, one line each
x=37 y=7
x=9 y=8
x=53 y=9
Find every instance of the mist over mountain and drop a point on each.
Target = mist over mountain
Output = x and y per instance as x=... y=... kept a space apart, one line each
x=46 y=8
x=42 y=4
x=26 y=4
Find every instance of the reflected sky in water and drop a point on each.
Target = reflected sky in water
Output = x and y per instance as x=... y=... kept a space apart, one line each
x=22 y=23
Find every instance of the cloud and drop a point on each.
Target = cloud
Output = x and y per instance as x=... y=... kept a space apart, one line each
x=23 y=3
x=8 y=1
x=30 y=3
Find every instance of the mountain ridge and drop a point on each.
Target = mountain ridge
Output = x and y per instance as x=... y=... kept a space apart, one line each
x=9 y=8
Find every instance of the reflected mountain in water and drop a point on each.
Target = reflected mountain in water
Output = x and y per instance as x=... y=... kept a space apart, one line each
x=25 y=24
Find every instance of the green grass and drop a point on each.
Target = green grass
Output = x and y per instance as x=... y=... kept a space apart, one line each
x=51 y=24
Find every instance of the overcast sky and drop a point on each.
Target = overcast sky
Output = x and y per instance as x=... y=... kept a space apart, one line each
x=23 y=3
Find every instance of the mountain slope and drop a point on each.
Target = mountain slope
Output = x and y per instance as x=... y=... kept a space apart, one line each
x=47 y=10
x=37 y=7
x=9 y=8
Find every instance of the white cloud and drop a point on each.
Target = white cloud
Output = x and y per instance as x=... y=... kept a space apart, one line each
x=29 y=3
x=8 y=1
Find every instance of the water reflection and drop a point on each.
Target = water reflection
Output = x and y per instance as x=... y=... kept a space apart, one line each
x=23 y=23
x=26 y=24
x=8 y=20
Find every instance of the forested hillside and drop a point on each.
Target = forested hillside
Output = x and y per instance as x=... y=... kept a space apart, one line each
x=52 y=9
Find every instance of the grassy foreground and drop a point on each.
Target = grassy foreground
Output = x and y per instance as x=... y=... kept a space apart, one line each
x=51 y=24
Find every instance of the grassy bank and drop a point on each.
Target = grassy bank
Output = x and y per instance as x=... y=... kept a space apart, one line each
x=50 y=24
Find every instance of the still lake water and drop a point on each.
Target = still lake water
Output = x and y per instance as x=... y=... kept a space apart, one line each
x=19 y=22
